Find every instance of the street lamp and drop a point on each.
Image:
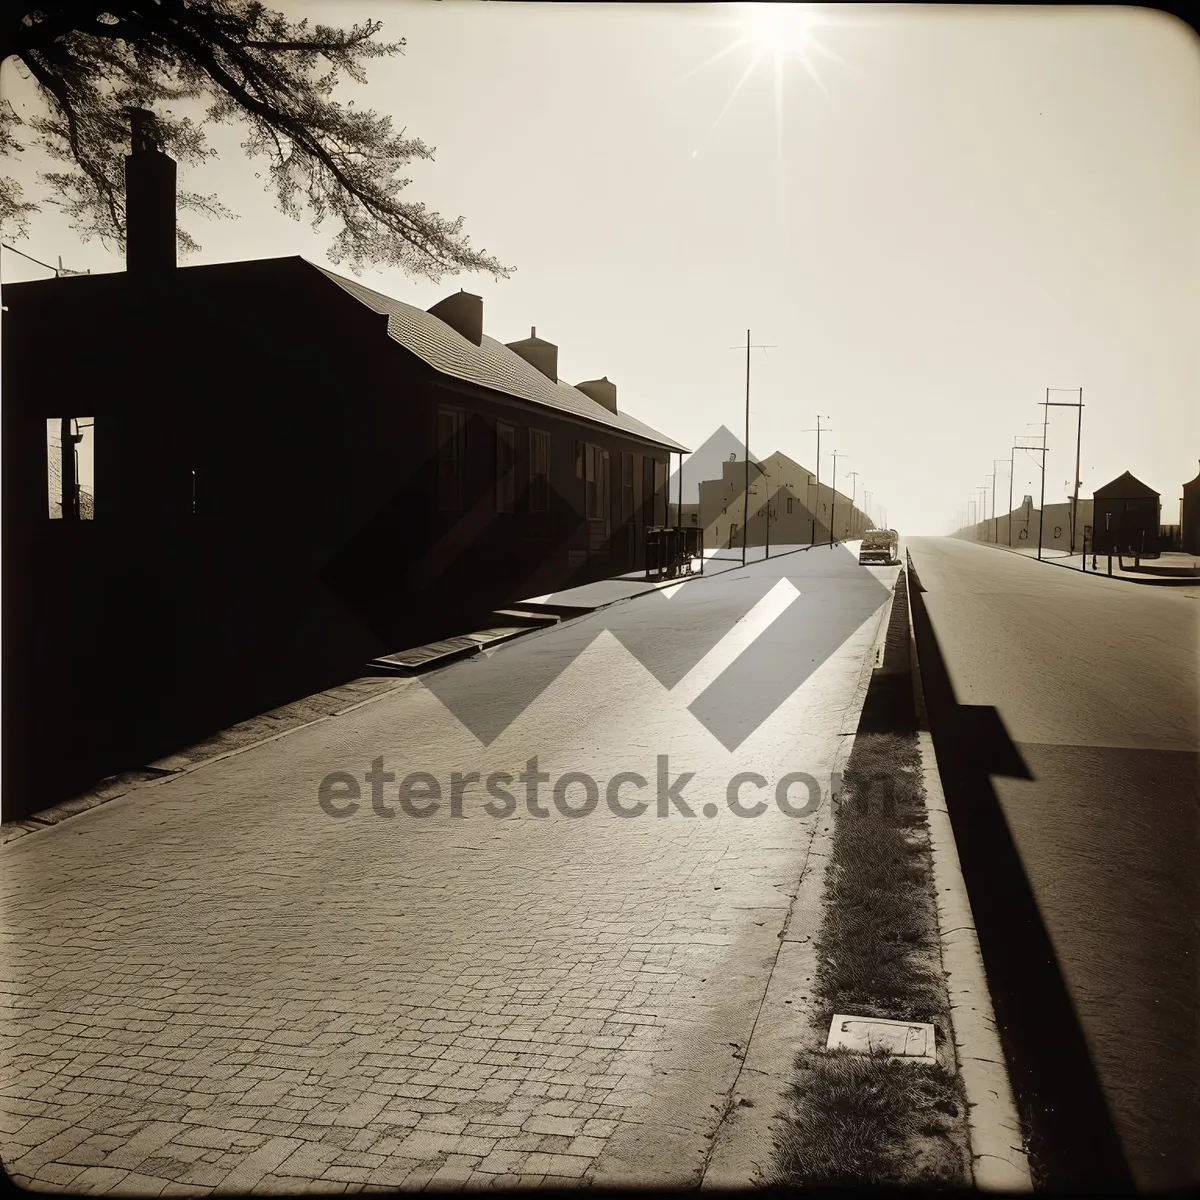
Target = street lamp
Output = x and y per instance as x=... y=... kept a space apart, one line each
x=833 y=498
x=995 y=527
x=818 y=431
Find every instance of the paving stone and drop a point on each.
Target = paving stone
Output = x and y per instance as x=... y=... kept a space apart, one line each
x=194 y=987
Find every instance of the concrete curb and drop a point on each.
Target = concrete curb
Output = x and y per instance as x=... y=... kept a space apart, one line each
x=1154 y=581
x=998 y=1158
x=79 y=805
x=116 y=786
x=999 y=1161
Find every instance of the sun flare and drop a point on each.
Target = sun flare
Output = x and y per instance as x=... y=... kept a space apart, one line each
x=771 y=34
x=777 y=30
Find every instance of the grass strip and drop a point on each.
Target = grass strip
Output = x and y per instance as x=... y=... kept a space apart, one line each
x=873 y=1120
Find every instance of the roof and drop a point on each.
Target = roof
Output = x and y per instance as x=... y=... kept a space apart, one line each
x=1124 y=487
x=491 y=365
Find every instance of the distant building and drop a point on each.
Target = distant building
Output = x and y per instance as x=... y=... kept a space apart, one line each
x=1191 y=517
x=789 y=492
x=706 y=462
x=1126 y=517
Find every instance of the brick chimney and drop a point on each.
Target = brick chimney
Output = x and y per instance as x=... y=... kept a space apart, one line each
x=149 y=201
x=538 y=353
x=463 y=312
x=602 y=391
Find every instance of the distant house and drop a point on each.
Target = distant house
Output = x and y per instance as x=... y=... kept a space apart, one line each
x=293 y=473
x=1126 y=517
x=788 y=491
x=1190 y=513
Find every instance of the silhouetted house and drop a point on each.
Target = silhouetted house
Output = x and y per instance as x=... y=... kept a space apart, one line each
x=293 y=474
x=1125 y=517
x=787 y=491
x=1191 y=517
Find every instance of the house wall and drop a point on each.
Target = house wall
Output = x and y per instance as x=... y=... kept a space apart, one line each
x=722 y=508
x=1020 y=527
x=306 y=542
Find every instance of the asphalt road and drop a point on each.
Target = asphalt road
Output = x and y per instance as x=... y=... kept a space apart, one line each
x=215 y=984
x=1096 y=681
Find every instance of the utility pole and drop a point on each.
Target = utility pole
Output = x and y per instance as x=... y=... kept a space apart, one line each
x=679 y=494
x=867 y=506
x=818 y=431
x=1011 y=458
x=1042 y=507
x=1076 y=404
x=853 y=499
x=833 y=497
x=992 y=477
x=995 y=524
x=746 y=497
x=70 y=487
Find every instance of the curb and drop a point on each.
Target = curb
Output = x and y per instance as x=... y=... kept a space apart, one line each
x=999 y=1161
x=102 y=792
x=1158 y=581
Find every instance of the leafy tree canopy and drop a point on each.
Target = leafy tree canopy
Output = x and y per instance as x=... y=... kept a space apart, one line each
x=92 y=60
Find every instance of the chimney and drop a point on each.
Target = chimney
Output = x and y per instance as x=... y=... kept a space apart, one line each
x=463 y=312
x=602 y=391
x=149 y=201
x=538 y=353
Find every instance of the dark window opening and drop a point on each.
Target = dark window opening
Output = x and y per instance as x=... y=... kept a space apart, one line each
x=506 y=467
x=539 y=470
x=595 y=482
x=626 y=488
x=452 y=423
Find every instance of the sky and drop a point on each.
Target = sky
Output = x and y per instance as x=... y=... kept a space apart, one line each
x=955 y=209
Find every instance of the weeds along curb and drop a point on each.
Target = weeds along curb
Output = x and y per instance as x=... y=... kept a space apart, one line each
x=875 y=1121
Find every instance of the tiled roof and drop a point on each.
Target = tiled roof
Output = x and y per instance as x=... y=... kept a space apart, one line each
x=491 y=365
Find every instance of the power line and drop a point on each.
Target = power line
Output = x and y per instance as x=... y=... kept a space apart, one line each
x=30 y=257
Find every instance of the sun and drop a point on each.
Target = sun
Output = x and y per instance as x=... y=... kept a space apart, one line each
x=776 y=30
x=771 y=34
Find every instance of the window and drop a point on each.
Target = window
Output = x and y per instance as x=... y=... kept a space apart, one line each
x=595 y=482
x=626 y=488
x=789 y=504
x=506 y=467
x=452 y=424
x=70 y=456
x=539 y=470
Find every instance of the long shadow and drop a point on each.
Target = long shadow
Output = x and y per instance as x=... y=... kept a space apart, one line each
x=1073 y=1142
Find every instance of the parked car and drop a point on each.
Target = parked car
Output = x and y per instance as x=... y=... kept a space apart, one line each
x=880 y=548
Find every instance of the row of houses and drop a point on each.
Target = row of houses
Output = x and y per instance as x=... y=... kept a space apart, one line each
x=291 y=474
x=1125 y=516
x=785 y=504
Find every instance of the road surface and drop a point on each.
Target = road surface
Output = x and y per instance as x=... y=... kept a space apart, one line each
x=1097 y=683
x=216 y=983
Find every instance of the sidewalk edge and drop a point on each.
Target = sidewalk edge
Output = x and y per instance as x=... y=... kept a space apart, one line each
x=999 y=1161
